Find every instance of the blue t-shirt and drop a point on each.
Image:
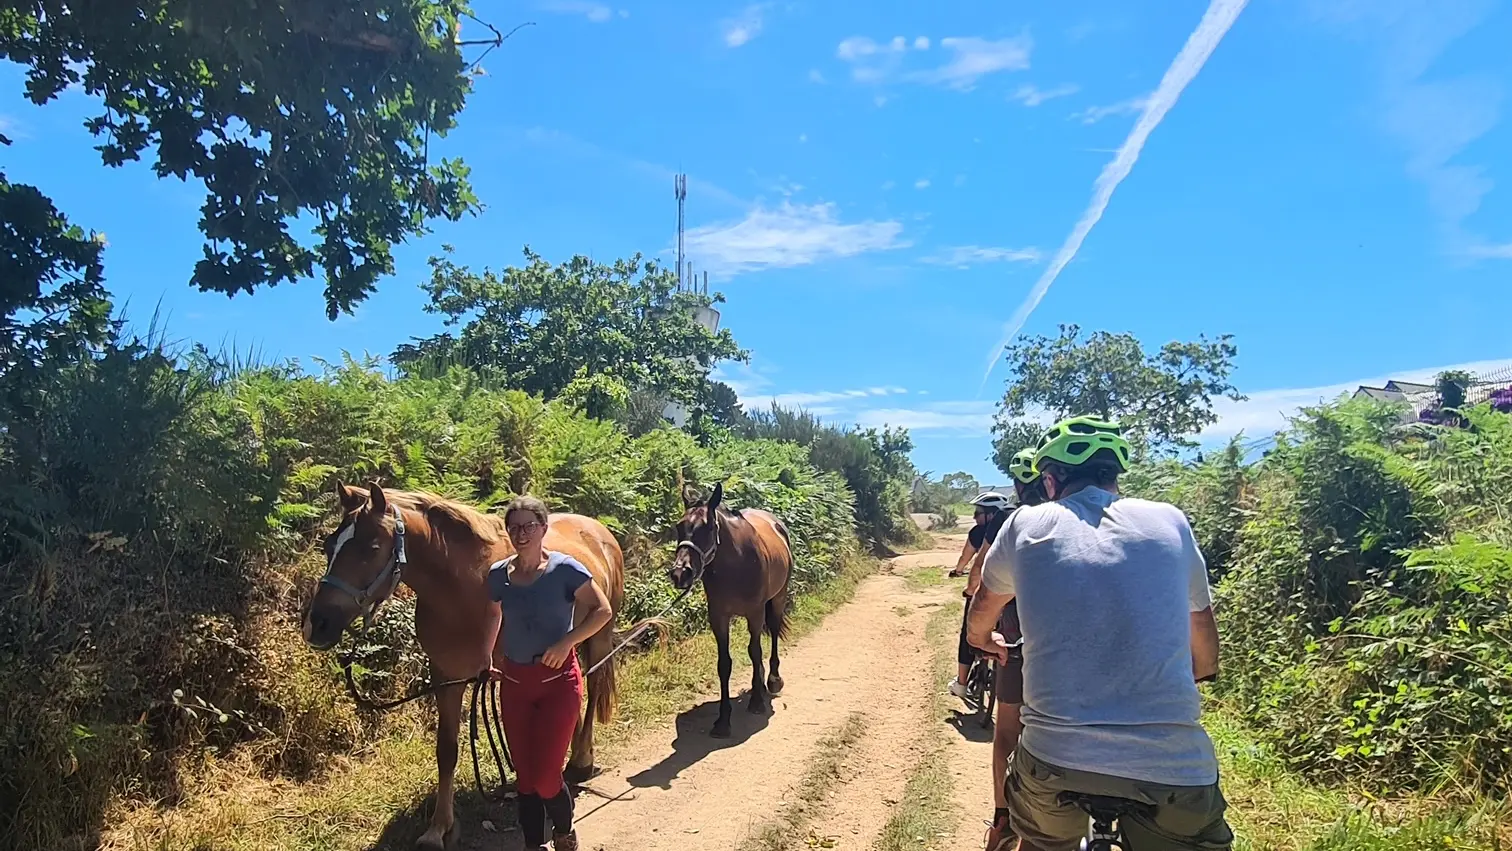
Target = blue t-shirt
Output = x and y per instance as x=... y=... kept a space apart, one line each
x=537 y=615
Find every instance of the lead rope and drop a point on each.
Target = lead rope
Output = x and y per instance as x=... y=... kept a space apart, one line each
x=642 y=627
x=485 y=687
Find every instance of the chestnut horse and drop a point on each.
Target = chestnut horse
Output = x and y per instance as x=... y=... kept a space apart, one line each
x=745 y=560
x=442 y=550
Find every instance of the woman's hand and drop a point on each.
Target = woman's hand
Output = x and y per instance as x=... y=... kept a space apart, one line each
x=557 y=654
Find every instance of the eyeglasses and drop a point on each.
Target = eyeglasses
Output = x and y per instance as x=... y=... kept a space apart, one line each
x=522 y=529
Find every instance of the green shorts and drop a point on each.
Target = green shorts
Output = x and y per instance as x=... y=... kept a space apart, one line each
x=1187 y=818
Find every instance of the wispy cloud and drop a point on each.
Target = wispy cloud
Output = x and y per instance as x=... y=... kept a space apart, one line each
x=746 y=25
x=966 y=256
x=1489 y=251
x=1031 y=95
x=975 y=58
x=945 y=417
x=1215 y=23
x=1265 y=412
x=1094 y=114
x=921 y=183
x=825 y=402
x=755 y=390
x=970 y=59
x=12 y=128
x=595 y=12
x=785 y=236
x=561 y=142
x=816 y=76
x=1434 y=120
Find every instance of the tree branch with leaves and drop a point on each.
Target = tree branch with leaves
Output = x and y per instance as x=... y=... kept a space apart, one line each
x=588 y=331
x=1163 y=398
x=321 y=109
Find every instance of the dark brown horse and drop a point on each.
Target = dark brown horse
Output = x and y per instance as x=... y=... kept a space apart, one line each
x=745 y=560
x=442 y=550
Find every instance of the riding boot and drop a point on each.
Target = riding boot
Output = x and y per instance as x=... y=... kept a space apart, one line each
x=532 y=821
x=560 y=807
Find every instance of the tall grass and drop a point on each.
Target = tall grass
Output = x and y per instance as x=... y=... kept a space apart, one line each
x=159 y=515
x=1364 y=569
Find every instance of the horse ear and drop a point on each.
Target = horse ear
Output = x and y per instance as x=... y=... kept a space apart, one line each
x=377 y=499
x=352 y=498
x=715 y=498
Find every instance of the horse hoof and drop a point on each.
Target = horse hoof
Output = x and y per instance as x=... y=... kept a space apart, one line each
x=576 y=774
x=774 y=685
x=433 y=840
x=756 y=707
x=721 y=729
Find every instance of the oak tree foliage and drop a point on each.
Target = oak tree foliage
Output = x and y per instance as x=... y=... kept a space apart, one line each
x=1163 y=398
x=589 y=331
x=320 y=111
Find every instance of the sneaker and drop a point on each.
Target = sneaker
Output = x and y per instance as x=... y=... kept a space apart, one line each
x=958 y=689
x=565 y=841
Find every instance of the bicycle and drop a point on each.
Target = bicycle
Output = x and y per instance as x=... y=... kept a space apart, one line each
x=1106 y=813
x=981 y=687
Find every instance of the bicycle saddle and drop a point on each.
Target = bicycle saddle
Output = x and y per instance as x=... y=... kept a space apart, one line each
x=1105 y=808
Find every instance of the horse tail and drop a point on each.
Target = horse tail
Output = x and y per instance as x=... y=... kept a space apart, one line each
x=605 y=693
x=602 y=683
x=776 y=608
x=777 y=616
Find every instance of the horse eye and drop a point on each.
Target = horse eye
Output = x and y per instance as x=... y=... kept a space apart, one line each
x=375 y=546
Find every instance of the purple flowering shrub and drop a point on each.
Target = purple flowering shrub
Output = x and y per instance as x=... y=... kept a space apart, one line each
x=1501 y=400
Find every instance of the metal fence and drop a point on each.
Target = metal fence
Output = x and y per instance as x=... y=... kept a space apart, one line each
x=1482 y=385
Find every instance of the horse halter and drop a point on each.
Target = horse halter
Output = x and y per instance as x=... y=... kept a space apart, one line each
x=704 y=556
x=370 y=598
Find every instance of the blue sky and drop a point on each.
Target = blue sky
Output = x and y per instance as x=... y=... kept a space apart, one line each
x=877 y=188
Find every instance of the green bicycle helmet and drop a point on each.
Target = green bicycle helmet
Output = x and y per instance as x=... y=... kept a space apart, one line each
x=1021 y=468
x=1074 y=440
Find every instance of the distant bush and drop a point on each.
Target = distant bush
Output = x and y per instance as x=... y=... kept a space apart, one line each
x=874 y=464
x=1363 y=571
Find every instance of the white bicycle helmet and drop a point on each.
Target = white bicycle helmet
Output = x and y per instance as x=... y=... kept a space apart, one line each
x=992 y=500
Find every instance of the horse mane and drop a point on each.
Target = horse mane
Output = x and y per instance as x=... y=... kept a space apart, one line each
x=723 y=511
x=452 y=517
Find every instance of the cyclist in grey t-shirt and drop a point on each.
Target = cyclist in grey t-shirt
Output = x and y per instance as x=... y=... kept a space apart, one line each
x=1118 y=627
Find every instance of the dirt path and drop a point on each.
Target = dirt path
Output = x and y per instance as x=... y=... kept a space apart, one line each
x=692 y=791
x=830 y=761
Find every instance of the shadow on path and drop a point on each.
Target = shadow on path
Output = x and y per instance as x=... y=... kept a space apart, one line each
x=969 y=725
x=469 y=834
x=693 y=741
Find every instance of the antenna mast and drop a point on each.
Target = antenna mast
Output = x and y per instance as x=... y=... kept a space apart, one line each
x=680 y=189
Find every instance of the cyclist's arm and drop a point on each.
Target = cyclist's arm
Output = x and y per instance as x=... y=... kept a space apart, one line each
x=981 y=621
x=1200 y=605
x=974 y=578
x=995 y=590
x=1204 y=645
x=967 y=553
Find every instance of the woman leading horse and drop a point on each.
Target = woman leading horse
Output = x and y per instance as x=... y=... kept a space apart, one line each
x=443 y=550
x=539 y=593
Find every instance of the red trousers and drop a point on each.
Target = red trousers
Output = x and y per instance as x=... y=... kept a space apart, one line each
x=539 y=708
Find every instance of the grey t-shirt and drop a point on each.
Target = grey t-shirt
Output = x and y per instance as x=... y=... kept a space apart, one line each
x=1105 y=587
x=537 y=615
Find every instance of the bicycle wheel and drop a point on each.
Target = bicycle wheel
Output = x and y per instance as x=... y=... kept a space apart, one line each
x=989 y=693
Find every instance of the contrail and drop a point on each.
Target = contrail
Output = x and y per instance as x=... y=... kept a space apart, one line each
x=1215 y=23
